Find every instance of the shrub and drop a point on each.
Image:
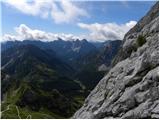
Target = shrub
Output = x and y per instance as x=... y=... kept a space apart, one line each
x=141 y=40
x=131 y=49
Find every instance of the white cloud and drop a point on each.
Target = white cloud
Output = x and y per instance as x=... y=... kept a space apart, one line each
x=107 y=31
x=35 y=7
x=8 y=37
x=98 y=32
x=63 y=11
x=67 y=13
x=26 y=33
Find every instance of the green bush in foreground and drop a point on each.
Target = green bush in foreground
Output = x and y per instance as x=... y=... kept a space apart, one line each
x=141 y=40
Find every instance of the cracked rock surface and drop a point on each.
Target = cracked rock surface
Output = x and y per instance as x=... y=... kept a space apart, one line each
x=131 y=87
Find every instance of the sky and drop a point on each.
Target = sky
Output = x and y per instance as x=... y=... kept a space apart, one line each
x=48 y=20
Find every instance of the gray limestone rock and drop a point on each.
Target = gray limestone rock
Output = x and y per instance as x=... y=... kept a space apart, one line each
x=131 y=87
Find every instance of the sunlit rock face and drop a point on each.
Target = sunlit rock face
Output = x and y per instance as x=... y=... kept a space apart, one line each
x=131 y=87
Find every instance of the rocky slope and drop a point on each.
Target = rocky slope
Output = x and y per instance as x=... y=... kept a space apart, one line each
x=131 y=87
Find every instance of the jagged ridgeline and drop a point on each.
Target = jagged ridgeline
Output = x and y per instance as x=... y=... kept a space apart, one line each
x=51 y=79
x=131 y=87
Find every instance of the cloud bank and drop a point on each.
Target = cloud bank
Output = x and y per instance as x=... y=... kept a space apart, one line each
x=107 y=31
x=97 y=32
x=26 y=33
x=63 y=11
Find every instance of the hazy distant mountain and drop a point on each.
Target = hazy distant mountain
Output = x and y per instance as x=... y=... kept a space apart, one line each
x=108 y=51
x=18 y=54
x=94 y=65
x=104 y=54
x=70 y=50
x=67 y=50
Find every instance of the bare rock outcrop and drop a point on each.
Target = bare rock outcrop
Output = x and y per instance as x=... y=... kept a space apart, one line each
x=131 y=87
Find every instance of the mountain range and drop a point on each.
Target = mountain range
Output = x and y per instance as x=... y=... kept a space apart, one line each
x=51 y=78
x=81 y=79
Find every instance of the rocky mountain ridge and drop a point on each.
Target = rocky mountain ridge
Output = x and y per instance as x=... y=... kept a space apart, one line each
x=36 y=80
x=131 y=87
x=71 y=51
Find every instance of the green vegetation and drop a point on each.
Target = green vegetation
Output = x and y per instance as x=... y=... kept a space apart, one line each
x=34 y=93
x=80 y=99
x=15 y=112
x=141 y=40
x=33 y=86
x=37 y=103
x=89 y=77
x=131 y=49
x=40 y=94
x=9 y=112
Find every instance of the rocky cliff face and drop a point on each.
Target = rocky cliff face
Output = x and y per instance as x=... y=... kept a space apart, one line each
x=131 y=87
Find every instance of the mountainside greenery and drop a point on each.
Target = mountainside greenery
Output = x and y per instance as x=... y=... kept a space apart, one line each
x=38 y=83
x=32 y=83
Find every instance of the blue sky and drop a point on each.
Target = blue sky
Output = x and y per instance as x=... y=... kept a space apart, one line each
x=77 y=18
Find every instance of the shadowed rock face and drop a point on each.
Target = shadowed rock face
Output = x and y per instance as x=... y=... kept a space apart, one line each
x=131 y=87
